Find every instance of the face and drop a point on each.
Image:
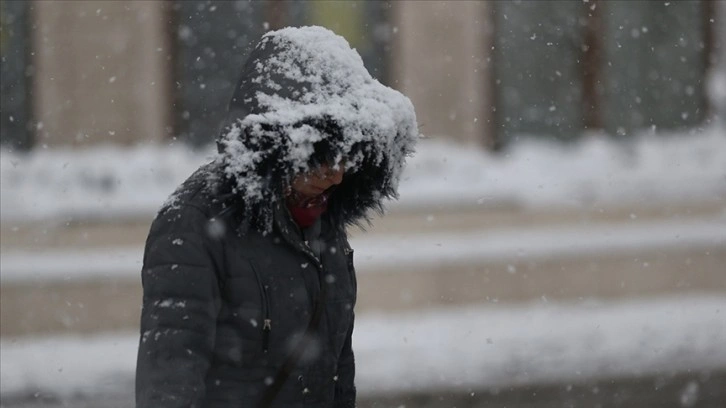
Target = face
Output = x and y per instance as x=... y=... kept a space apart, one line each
x=314 y=182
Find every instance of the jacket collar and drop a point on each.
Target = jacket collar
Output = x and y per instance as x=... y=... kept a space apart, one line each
x=292 y=233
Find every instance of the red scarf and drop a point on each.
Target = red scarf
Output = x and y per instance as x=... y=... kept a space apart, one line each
x=305 y=211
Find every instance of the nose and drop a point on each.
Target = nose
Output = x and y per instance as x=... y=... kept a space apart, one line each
x=336 y=176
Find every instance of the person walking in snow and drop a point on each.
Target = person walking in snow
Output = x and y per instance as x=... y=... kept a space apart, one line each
x=248 y=278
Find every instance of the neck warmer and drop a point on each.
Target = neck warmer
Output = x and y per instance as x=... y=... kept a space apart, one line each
x=305 y=211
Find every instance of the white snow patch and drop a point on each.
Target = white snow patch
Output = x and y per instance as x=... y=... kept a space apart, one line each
x=170 y=303
x=592 y=172
x=477 y=347
x=113 y=182
x=67 y=265
x=95 y=182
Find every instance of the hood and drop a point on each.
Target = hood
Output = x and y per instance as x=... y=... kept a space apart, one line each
x=305 y=98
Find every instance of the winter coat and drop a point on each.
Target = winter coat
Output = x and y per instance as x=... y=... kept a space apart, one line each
x=222 y=311
x=230 y=281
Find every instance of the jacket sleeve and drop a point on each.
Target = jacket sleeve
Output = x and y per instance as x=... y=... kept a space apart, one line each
x=180 y=307
x=345 y=392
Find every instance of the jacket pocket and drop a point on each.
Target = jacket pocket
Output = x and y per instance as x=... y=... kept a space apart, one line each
x=341 y=315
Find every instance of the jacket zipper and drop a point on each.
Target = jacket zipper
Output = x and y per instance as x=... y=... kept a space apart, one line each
x=267 y=324
x=267 y=321
x=305 y=247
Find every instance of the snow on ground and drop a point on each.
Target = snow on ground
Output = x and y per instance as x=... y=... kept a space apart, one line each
x=476 y=347
x=472 y=348
x=110 y=181
x=373 y=252
x=597 y=170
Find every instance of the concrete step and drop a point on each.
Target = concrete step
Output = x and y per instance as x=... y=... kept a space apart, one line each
x=464 y=217
x=132 y=231
x=409 y=260
x=555 y=266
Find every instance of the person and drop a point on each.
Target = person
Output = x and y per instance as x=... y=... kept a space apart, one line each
x=248 y=279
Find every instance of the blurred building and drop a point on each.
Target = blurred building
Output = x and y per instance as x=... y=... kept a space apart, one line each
x=80 y=72
x=482 y=73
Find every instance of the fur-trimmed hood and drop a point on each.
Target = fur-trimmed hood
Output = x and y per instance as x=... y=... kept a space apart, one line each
x=305 y=98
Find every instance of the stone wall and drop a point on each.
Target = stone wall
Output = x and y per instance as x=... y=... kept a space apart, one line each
x=440 y=60
x=101 y=72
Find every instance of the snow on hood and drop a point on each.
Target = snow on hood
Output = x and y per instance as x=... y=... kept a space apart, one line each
x=305 y=98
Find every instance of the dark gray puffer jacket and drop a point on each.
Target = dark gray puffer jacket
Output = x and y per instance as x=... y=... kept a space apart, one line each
x=222 y=311
x=230 y=281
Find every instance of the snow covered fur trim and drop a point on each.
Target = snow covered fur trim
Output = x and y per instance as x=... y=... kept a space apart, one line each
x=305 y=98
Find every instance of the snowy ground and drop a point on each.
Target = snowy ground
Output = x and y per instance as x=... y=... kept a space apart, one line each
x=472 y=348
x=112 y=182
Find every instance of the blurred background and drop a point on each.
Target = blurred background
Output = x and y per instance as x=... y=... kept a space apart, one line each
x=560 y=239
